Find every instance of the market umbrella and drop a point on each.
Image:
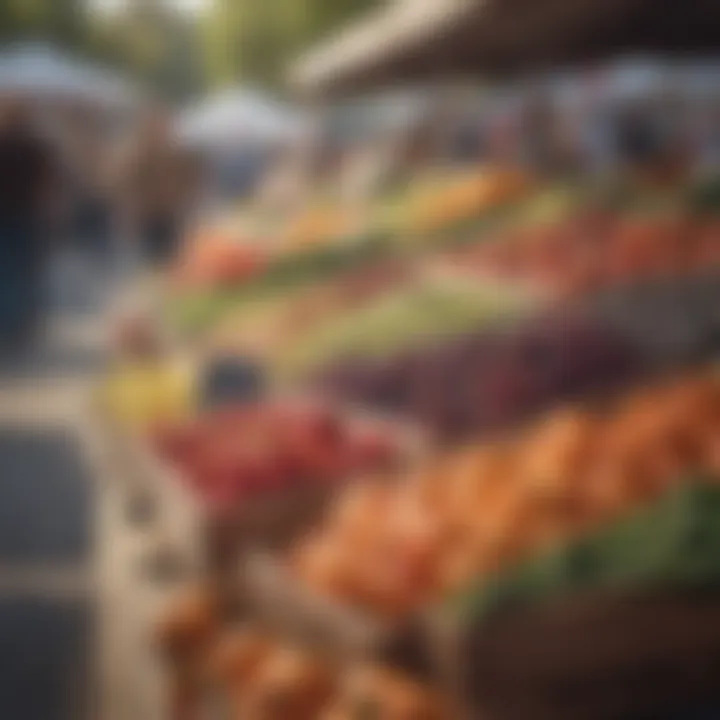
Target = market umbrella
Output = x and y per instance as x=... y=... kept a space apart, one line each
x=240 y=117
x=43 y=72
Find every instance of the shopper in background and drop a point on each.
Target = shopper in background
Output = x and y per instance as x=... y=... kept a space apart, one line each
x=93 y=210
x=159 y=185
x=539 y=132
x=27 y=179
x=707 y=139
x=465 y=145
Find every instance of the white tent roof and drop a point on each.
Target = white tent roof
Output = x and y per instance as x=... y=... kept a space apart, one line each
x=240 y=116
x=43 y=71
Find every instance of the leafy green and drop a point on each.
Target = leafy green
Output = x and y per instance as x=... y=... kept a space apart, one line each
x=673 y=543
x=400 y=320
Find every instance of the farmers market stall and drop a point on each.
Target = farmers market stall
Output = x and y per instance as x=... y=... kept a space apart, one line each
x=454 y=459
x=439 y=471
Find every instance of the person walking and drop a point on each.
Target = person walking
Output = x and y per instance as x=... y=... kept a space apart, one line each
x=159 y=185
x=26 y=189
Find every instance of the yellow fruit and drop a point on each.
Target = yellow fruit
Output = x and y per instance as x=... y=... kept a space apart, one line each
x=140 y=395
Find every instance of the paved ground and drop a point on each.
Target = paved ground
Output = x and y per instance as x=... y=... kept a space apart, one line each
x=56 y=569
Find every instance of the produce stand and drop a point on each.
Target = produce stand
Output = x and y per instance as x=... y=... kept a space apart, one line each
x=548 y=548
x=668 y=548
x=664 y=318
x=485 y=201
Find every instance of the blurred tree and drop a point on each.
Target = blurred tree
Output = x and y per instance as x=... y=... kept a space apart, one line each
x=326 y=16
x=149 y=39
x=58 y=21
x=255 y=40
x=155 y=43
x=175 y=53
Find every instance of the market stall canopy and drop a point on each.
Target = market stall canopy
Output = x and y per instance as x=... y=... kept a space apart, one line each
x=240 y=117
x=426 y=38
x=378 y=38
x=43 y=72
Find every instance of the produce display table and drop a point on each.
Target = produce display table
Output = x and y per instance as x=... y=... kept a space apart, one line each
x=551 y=375
x=550 y=551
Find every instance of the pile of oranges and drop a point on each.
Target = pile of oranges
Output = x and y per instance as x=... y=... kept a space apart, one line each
x=467 y=197
x=260 y=678
x=318 y=226
x=390 y=548
x=215 y=259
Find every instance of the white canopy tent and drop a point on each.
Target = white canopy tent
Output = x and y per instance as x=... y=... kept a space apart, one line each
x=43 y=72
x=240 y=117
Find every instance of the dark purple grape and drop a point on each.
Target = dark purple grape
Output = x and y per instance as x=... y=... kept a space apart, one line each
x=495 y=378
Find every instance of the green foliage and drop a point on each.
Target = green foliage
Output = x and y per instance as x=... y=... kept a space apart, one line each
x=147 y=39
x=175 y=54
x=60 y=21
x=255 y=41
x=671 y=544
x=157 y=45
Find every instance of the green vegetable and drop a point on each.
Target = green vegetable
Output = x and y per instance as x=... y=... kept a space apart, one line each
x=673 y=544
x=400 y=320
x=197 y=311
x=705 y=195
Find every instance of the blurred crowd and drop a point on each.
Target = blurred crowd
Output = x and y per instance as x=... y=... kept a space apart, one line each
x=71 y=180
